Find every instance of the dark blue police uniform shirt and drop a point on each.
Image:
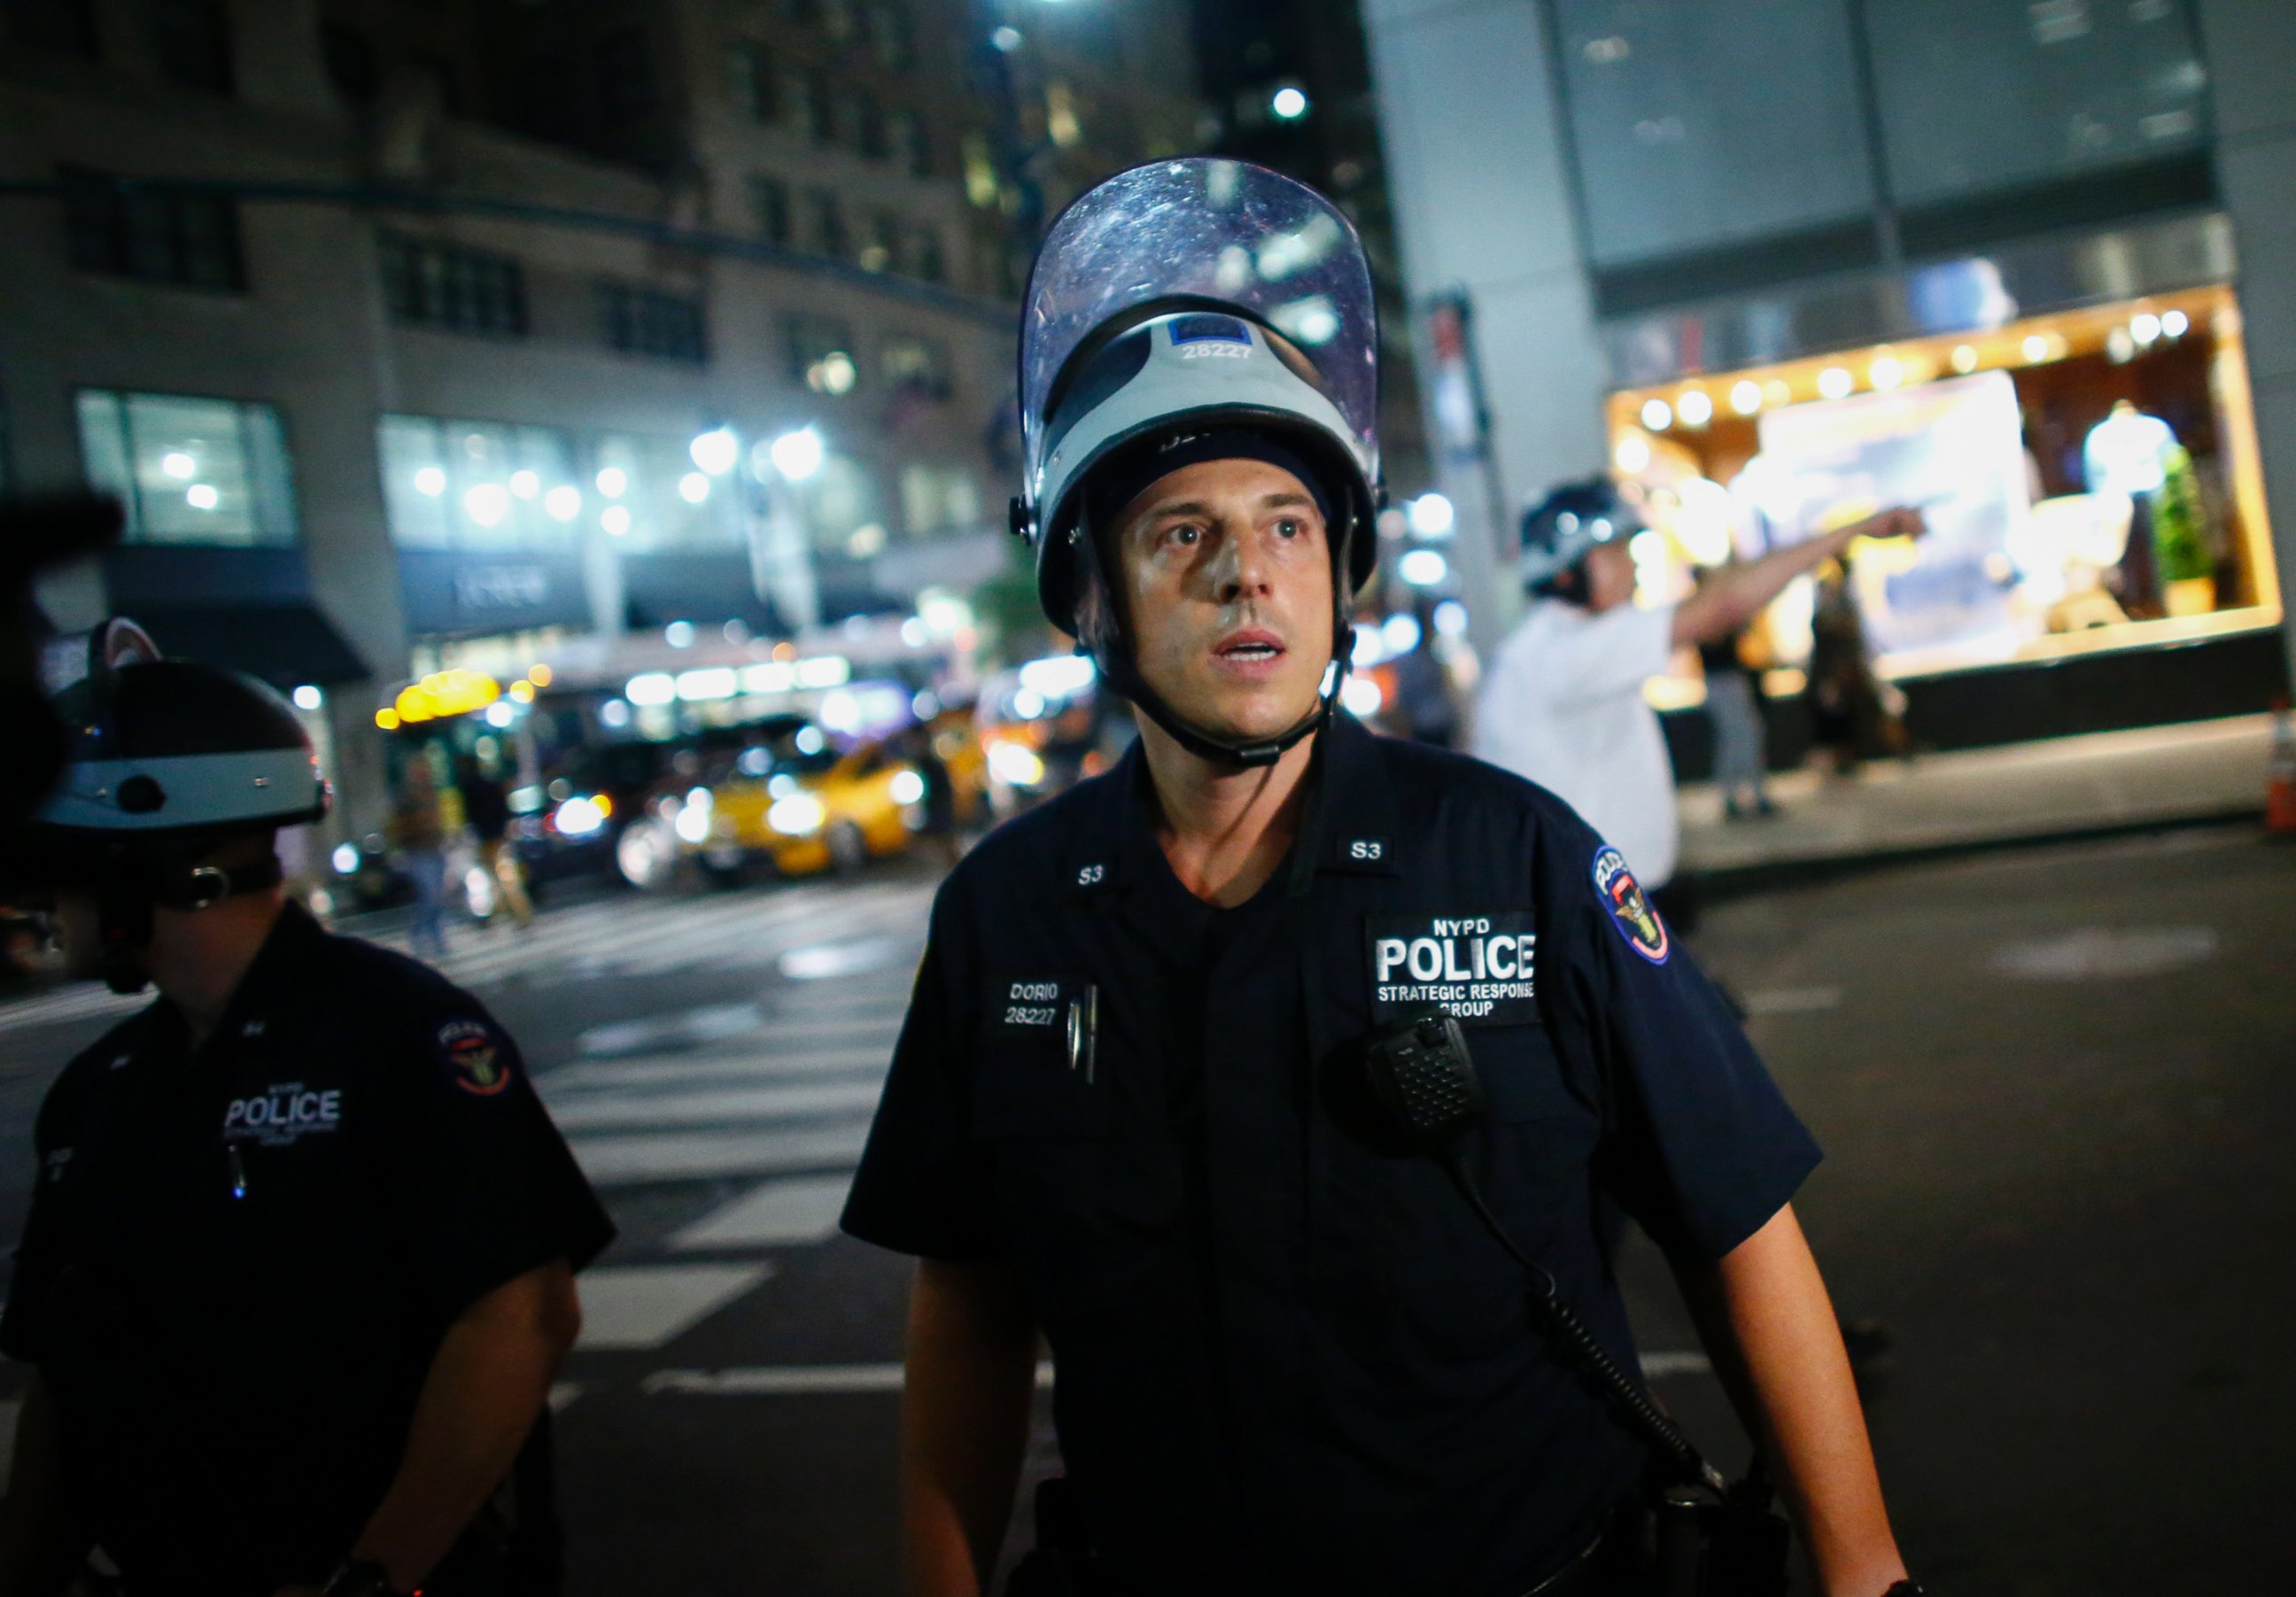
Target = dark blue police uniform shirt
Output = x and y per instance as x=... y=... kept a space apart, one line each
x=239 y=1262
x=1286 y=1359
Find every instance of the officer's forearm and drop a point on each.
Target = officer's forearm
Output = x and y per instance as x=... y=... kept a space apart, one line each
x=41 y=1540
x=1771 y=1328
x=965 y=1422
x=486 y=1385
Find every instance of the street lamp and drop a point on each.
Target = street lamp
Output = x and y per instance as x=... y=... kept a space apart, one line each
x=1290 y=103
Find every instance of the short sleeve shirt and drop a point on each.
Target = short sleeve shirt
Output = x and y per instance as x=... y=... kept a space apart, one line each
x=1563 y=705
x=1288 y=1358
x=241 y=1260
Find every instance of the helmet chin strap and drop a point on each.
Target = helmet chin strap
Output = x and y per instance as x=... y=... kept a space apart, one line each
x=1119 y=668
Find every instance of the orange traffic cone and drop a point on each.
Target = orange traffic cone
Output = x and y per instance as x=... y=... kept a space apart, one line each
x=2280 y=785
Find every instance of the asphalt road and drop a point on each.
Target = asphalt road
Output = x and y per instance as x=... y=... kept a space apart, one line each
x=2054 y=1088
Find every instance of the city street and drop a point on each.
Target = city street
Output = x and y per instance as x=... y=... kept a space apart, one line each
x=2053 y=1085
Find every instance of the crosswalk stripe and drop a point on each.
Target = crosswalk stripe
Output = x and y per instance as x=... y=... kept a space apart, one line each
x=635 y=1159
x=645 y=1305
x=779 y=1212
x=716 y=1106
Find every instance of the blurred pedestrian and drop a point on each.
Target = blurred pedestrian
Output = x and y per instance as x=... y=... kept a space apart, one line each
x=1853 y=713
x=298 y=1271
x=418 y=830
x=1564 y=702
x=485 y=807
x=1740 y=738
x=939 y=801
x=1425 y=704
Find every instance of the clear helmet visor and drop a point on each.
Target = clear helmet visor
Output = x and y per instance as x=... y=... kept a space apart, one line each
x=1209 y=231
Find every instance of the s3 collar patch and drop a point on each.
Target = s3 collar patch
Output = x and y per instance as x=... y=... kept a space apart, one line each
x=1630 y=908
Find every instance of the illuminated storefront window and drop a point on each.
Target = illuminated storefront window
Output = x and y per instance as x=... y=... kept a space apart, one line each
x=2090 y=479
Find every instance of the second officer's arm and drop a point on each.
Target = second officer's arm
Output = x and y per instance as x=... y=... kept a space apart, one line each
x=965 y=1422
x=486 y=1385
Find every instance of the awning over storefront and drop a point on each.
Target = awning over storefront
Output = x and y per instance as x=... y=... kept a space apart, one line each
x=286 y=644
x=708 y=590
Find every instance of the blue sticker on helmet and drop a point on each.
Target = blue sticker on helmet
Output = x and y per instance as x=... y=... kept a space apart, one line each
x=1209 y=329
x=1630 y=908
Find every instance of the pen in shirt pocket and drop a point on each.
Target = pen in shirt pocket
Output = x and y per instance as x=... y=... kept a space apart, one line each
x=1084 y=1030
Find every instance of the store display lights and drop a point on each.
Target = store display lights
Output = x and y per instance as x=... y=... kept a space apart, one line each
x=1657 y=415
x=1423 y=567
x=2174 y=323
x=430 y=481
x=2144 y=327
x=2034 y=348
x=615 y=519
x=1633 y=454
x=1433 y=516
x=1695 y=408
x=525 y=485
x=179 y=465
x=202 y=496
x=1965 y=359
x=1745 y=397
x=613 y=482
x=1835 y=382
x=693 y=487
x=1886 y=372
x=564 y=503
x=486 y=503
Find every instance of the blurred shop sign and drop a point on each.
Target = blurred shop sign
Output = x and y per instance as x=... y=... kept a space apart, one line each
x=460 y=593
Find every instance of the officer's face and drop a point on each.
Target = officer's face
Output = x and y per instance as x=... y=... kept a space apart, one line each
x=1610 y=575
x=1227 y=583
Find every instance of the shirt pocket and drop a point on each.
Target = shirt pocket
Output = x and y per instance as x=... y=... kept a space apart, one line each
x=1037 y=1072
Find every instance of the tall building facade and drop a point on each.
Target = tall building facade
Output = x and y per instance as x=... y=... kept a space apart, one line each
x=418 y=336
x=2026 y=265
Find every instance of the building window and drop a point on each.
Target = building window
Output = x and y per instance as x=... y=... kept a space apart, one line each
x=625 y=78
x=479 y=484
x=821 y=354
x=889 y=31
x=769 y=208
x=883 y=250
x=65 y=25
x=750 y=79
x=642 y=321
x=864 y=127
x=191 y=39
x=660 y=500
x=829 y=235
x=928 y=260
x=431 y=285
x=934 y=498
x=190 y=471
x=907 y=142
x=151 y=232
x=351 y=62
x=920 y=365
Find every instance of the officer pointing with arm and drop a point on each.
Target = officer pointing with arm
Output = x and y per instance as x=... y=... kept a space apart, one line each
x=1125 y=1114
x=298 y=1268
x=1563 y=703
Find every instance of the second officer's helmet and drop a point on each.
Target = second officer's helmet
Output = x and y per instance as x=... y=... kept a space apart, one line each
x=1574 y=520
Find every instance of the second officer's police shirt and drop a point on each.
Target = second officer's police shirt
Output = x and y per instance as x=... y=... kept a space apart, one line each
x=241 y=1260
x=1287 y=1358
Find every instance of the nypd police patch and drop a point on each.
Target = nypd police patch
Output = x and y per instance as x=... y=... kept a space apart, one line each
x=1629 y=906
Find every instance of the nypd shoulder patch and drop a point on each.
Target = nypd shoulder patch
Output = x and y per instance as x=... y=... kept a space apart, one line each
x=474 y=1057
x=1630 y=908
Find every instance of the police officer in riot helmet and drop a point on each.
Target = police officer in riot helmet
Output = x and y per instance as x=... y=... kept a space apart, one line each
x=1562 y=701
x=1148 y=1104
x=298 y=1271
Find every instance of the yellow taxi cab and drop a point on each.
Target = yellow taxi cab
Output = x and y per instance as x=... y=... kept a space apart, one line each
x=794 y=804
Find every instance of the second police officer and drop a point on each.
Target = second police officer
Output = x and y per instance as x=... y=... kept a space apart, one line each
x=1125 y=1112
x=298 y=1269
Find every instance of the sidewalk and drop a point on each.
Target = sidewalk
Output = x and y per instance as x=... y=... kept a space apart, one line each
x=2097 y=785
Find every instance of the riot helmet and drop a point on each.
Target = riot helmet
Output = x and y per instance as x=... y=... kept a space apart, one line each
x=1560 y=530
x=167 y=759
x=1191 y=310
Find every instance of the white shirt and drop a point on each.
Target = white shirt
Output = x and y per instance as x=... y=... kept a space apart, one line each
x=1563 y=704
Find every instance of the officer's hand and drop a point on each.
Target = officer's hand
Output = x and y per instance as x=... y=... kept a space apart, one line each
x=1898 y=521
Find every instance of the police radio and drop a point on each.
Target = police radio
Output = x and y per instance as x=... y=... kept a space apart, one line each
x=1712 y=1539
